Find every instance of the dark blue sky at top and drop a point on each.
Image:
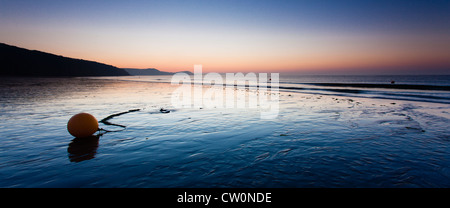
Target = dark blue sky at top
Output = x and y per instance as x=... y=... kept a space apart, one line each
x=409 y=15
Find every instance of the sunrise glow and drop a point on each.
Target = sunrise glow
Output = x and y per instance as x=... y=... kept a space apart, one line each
x=234 y=35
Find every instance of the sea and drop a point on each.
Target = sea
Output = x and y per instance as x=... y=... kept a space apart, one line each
x=329 y=131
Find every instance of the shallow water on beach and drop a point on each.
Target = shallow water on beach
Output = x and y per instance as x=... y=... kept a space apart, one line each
x=317 y=140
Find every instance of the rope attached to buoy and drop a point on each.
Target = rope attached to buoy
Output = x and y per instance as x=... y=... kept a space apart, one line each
x=83 y=125
x=106 y=122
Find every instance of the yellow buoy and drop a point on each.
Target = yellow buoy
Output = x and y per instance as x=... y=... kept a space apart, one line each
x=82 y=125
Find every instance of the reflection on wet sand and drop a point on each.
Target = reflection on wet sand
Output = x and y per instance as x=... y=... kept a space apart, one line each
x=81 y=149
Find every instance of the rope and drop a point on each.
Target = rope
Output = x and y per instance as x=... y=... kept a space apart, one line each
x=106 y=122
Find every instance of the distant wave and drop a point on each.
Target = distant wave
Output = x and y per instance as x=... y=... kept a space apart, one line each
x=409 y=92
x=386 y=86
x=423 y=93
x=355 y=91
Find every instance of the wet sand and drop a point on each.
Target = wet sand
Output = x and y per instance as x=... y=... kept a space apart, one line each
x=316 y=140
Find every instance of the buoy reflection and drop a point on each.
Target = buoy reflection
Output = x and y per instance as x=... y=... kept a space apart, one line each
x=81 y=149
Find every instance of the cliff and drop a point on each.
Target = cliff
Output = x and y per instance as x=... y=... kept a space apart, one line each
x=15 y=61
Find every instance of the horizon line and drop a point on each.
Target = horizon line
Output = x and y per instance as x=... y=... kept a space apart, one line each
x=391 y=71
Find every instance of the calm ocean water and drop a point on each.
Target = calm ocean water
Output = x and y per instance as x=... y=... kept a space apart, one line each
x=326 y=135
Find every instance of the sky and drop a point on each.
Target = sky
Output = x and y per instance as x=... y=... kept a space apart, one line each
x=237 y=35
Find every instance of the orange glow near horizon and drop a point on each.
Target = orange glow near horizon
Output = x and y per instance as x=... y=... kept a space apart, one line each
x=174 y=37
x=312 y=52
x=330 y=54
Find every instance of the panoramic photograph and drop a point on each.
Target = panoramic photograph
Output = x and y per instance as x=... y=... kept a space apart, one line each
x=225 y=94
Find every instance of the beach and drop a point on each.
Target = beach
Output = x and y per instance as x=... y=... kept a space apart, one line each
x=343 y=137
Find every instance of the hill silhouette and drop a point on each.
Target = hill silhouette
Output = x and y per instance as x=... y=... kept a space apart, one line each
x=15 y=61
x=150 y=71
